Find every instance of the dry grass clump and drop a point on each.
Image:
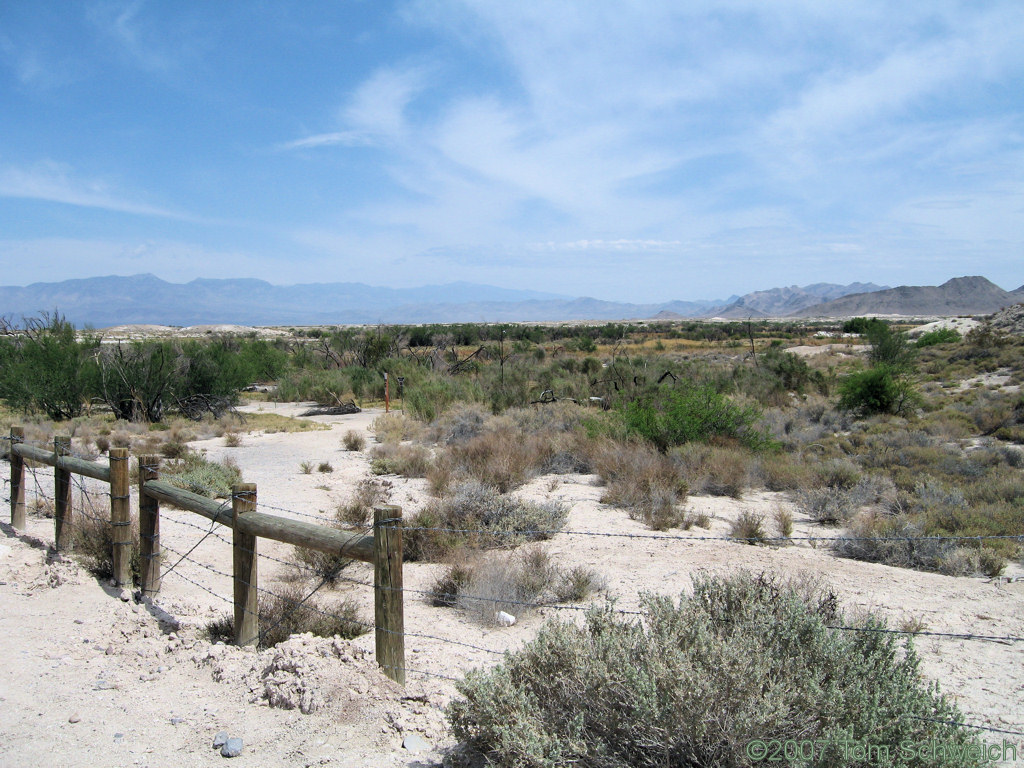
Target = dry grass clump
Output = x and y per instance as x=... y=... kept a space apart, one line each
x=287 y=612
x=353 y=441
x=647 y=483
x=232 y=439
x=480 y=516
x=487 y=583
x=782 y=472
x=783 y=521
x=325 y=467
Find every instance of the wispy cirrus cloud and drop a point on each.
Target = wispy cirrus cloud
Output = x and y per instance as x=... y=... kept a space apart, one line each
x=56 y=183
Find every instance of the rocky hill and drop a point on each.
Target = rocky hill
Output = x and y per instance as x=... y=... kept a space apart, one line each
x=959 y=296
x=782 y=302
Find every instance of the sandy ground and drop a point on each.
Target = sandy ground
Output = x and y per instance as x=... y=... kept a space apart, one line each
x=93 y=680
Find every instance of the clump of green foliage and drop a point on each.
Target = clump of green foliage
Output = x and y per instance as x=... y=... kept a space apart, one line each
x=938 y=336
x=194 y=472
x=744 y=658
x=671 y=416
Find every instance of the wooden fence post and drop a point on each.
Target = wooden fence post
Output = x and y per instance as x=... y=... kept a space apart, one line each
x=63 y=528
x=149 y=528
x=247 y=624
x=17 y=481
x=389 y=615
x=120 y=517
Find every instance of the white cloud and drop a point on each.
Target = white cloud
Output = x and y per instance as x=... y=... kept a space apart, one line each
x=55 y=183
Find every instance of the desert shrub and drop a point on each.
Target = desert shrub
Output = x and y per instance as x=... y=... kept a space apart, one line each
x=876 y=390
x=714 y=470
x=748 y=528
x=908 y=542
x=648 y=484
x=938 y=336
x=782 y=472
x=306 y=467
x=194 y=472
x=356 y=511
x=503 y=458
x=287 y=611
x=408 y=460
x=743 y=658
x=326 y=567
x=841 y=474
x=393 y=428
x=93 y=543
x=515 y=583
x=783 y=521
x=481 y=516
x=353 y=441
x=828 y=506
x=691 y=412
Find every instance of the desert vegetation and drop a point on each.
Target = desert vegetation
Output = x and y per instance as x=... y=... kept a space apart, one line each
x=880 y=448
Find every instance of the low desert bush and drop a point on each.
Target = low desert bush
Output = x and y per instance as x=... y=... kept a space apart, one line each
x=356 y=511
x=406 y=459
x=324 y=467
x=480 y=516
x=748 y=528
x=714 y=470
x=394 y=428
x=194 y=472
x=647 y=483
x=353 y=441
x=287 y=612
x=783 y=521
x=743 y=658
x=306 y=467
x=93 y=543
x=516 y=583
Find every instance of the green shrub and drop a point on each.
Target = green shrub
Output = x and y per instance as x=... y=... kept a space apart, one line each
x=692 y=412
x=744 y=658
x=876 y=390
x=938 y=336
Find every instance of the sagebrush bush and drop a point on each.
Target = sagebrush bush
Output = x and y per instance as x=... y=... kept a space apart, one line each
x=748 y=528
x=194 y=472
x=358 y=508
x=714 y=470
x=481 y=516
x=743 y=658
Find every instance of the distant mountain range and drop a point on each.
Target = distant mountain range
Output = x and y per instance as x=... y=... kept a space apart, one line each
x=959 y=296
x=146 y=299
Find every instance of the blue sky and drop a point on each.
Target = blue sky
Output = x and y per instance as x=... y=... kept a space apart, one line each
x=631 y=150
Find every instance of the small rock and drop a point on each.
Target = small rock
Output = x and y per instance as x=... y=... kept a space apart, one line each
x=177 y=720
x=413 y=742
x=118 y=738
x=504 y=619
x=75 y=718
x=161 y=669
x=220 y=739
x=110 y=650
x=79 y=621
x=232 y=748
x=125 y=595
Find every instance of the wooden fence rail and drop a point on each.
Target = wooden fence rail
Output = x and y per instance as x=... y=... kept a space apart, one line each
x=383 y=549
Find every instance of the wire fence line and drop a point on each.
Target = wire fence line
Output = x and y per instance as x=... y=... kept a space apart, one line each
x=88 y=503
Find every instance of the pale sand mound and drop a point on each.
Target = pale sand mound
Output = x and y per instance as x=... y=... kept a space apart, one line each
x=58 y=668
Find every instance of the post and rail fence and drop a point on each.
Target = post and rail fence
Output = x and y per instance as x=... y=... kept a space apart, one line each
x=383 y=549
